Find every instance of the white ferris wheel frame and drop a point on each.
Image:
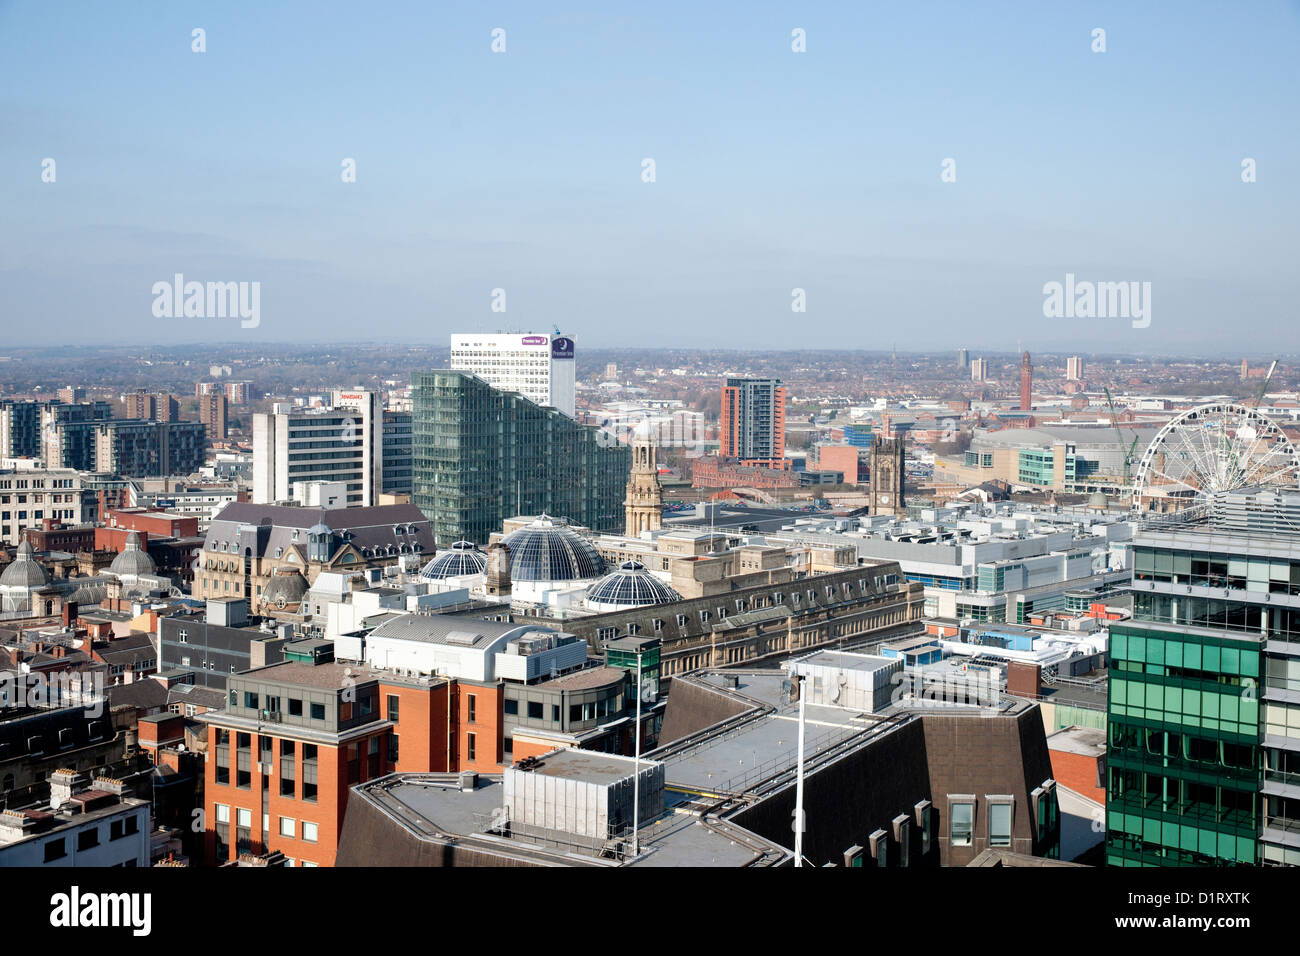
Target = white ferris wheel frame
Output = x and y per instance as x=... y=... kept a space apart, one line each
x=1236 y=463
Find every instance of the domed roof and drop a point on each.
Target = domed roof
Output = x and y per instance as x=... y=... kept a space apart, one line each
x=631 y=585
x=1097 y=500
x=286 y=587
x=134 y=559
x=549 y=550
x=25 y=571
x=460 y=559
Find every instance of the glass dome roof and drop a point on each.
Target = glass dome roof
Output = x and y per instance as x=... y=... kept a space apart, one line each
x=460 y=559
x=549 y=550
x=630 y=586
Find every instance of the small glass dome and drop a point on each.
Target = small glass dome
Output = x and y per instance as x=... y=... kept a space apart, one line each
x=629 y=586
x=460 y=559
x=133 y=559
x=549 y=550
x=24 y=571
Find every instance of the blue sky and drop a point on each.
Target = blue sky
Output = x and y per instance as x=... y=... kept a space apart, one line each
x=774 y=170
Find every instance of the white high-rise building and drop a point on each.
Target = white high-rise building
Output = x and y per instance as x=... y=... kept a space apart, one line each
x=1074 y=368
x=539 y=367
x=343 y=443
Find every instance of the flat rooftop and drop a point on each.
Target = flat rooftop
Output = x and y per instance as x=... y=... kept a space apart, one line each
x=846 y=661
x=761 y=747
x=331 y=675
x=433 y=806
x=587 y=766
x=1085 y=741
x=588 y=677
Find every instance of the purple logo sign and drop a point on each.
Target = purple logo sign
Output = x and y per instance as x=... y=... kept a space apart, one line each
x=535 y=340
x=561 y=348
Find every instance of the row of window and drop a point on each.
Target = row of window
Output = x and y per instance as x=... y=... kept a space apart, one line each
x=89 y=838
x=288 y=825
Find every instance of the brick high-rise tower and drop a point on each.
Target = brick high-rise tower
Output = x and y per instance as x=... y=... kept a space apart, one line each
x=753 y=419
x=1026 y=382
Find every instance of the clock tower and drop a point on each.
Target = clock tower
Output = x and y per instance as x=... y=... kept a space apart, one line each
x=887 y=476
x=644 y=505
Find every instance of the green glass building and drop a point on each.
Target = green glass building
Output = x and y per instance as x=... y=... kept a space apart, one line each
x=480 y=455
x=1203 y=765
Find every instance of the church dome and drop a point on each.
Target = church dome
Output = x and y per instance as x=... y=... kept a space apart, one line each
x=25 y=571
x=133 y=560
x=549 y=550
x=630 y=585
x=460 y=559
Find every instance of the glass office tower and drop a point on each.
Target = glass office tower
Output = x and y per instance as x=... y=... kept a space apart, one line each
x=480 y=455
x=1204 y=711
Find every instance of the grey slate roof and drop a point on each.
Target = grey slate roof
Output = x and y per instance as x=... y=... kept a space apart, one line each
x=370 y=528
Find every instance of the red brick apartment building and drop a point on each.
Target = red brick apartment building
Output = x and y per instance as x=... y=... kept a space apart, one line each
x=296 y=736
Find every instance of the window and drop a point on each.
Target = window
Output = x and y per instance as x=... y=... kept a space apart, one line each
x=55 y=850
x=88 y=839
x=223 y=813
x=471 y=708
x=392 y=707
x=295 y=707
x=999 y=824
x=317 y=711
x=512 y=707
x=308 y=832
x=535 y=709
x=472 y=740
x=287 y=828
x=962 y=823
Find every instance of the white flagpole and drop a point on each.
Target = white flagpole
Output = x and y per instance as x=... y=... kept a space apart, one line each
x=798 y=790
x=636 y=778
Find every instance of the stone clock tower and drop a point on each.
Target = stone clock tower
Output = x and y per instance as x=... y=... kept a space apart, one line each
x=887 y=477
x=645 y=497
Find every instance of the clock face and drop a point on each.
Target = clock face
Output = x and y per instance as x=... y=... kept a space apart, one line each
x=884 y=499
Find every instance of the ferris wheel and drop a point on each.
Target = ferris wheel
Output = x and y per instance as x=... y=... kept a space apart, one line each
x=1210 y=449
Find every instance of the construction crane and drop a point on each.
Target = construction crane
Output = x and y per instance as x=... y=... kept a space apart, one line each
x=1264 y=388
x=1128 y=457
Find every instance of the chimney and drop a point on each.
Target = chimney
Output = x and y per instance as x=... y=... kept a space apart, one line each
x=110 y=785
x=63 y=784
x=497 y=580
